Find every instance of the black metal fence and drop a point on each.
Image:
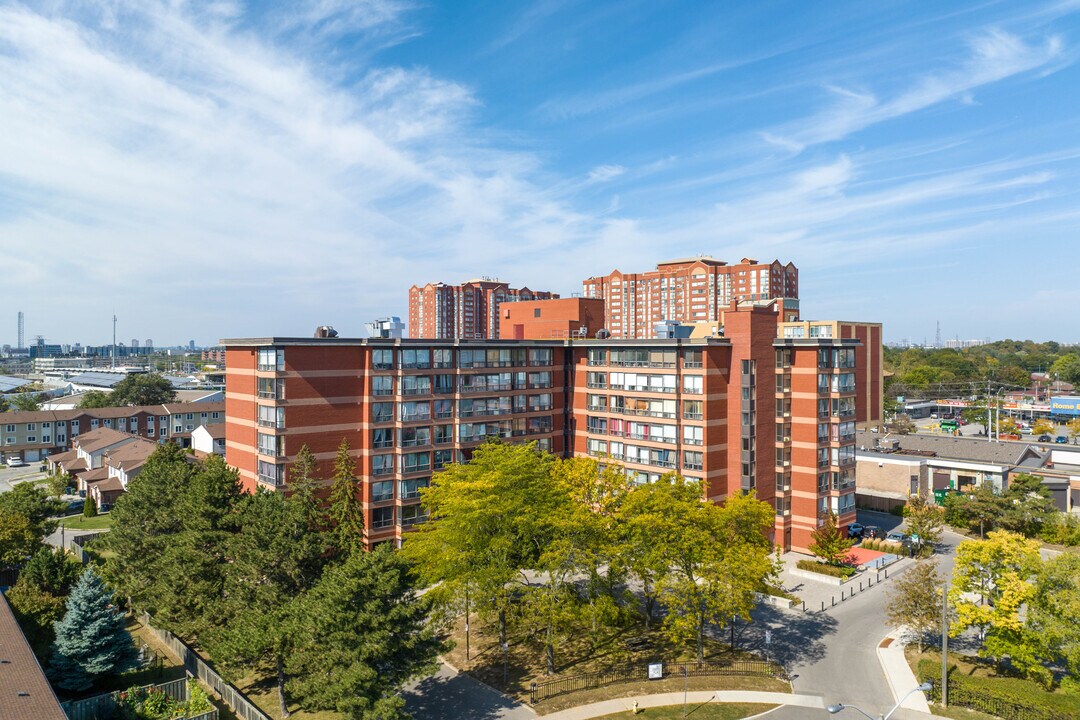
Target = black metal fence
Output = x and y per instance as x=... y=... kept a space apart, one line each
x=539 y=691
x=979 y=700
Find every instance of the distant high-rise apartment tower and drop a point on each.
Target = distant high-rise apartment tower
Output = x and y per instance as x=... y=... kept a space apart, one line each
x=469 y=310
x=149 y=344
x=690 y=290
x=134 y=343
x=21 y=338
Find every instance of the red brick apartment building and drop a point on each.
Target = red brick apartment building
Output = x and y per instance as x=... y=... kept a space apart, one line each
x=691 y=290
x=469 y=310
x=749 y=410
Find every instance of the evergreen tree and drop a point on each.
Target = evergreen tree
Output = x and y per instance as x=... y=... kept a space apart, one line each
x=89 y=508
x=345 y=513
x=143 y=389
x=272 y=562
x=364 y=634
x=91 y=641
x=34 y=503
x=1027 y=505
x=304 y=485
x=828 y=543
x=51 y=570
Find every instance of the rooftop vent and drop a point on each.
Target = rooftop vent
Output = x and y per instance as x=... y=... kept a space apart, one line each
x=325 y=331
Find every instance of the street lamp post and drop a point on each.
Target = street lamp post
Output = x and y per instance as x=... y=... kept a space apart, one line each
x=833 y=709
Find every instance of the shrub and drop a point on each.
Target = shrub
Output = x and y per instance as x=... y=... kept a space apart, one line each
x=1061 y=529
x=89 y=508
x=897 y=510
x=840 y=571
x=198 y=701
x=1006 y=697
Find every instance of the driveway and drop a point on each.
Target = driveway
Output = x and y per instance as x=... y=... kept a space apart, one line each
x=448 y=695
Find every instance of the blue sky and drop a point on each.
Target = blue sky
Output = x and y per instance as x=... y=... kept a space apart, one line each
x=223 y=169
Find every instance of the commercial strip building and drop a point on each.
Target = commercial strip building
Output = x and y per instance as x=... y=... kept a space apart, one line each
x=35 y=435
x=890 y=468
x=691 y=290
x=469 y=310
x=748 y=410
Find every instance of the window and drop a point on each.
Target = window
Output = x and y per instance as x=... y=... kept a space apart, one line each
x=107 y=422
x=416 y=385
x=597 y=356
x=415 y=462
x=31 y=438
x=539 y=380
x=46 y=425
x=692 y=384
x=271 y=474
x=444 y=384
x=271 y=359
x=270 y=389
x=536 y=312
x=596 y=380
x=382 y=438
x=382 y=490
x=178 y=429
x=94 y=424
x=442 y=358
x=442 y=458
x=269 y=416
x=382 y=359
x=412 y=515
x=217 y=415
x=415 y=436
x=382 y=464
x=382 y=517
x=272 y=445
x=443 y=409
x=692 y=409
x=382 y=412
x=31 y=427
x=693 y=435
x=410 y=489
x=190 y=416
x=164 y=432
x=410 y=411
x=10 y=441
x=416 y=358
x=691 y=358
x=596 y=447
x=382 y=385
x=540 y=403
x=443 y=434
x=61 y=439
x=539 y=356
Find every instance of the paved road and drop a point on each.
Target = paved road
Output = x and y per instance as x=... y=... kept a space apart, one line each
x=834 y=654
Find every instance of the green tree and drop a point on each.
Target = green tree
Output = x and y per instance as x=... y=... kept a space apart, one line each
x=34 y=503
x=1043 y=427
x=91 y=641
x=345 y=513
x=364 y=634
x=979 y=510
x=26 y=402
x=18 y=539
x=828 y=543
x=169 y=536
x=57 y=483
x=925 y=521
x=89 y=508
x=142 y=389
x=1027 y=505
x=1074 y=429
x=95 y=399
x=718 y=557
x=915 y=600
x=51 y=570
x=999 y=570
x=1054 y=613
x=272 y=561
x=642 y=533
x=1067 y=368
x=484 y=531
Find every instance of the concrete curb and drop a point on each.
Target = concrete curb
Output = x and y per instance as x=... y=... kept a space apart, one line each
x=898 y=673
x=619 y=705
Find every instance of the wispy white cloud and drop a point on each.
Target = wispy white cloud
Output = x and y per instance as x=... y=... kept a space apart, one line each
x=992 y=56
x=603 y=173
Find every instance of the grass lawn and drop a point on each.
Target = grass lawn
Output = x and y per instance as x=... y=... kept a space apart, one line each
x=959 y=713
x=711 y=711
x=576 y=655
x=79 y=522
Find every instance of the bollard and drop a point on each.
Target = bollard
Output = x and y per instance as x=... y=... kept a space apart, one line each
x=886 y=573
x=833 y=598
x=860 y=586
x=822 y=606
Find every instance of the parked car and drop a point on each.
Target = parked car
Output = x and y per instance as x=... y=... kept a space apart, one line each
x=855 y=531
x=898 y=537
x=1044 y=438
x=872 y=532
x=1061 y=439
x=15 y=461
x=75 y=506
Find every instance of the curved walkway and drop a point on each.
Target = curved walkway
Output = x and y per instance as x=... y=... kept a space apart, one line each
x=621 y=705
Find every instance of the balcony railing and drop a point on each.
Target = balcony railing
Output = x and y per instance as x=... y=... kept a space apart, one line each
x=380 y=444
x=382 y=470
x=691 y=466
x=692 y=441
x=415 y=442
x=692 y=416
x=416 y=391
x=597 y=408
x=426 y=467
x=271 y=481
x=275 y=424
x=691 y=363
x=596 y=385
x=377 y=524
x=487 y=388
x=443 y=414
x=383 y=391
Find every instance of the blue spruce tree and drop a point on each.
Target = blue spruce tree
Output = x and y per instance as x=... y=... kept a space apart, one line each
x=91 y=640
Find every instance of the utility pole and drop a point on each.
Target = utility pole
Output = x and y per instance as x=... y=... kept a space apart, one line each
x=114 y=341
x=944 y=646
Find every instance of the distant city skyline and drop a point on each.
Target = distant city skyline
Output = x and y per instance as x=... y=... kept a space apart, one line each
x=209 y=170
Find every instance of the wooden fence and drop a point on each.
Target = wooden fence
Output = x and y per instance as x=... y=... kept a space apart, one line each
x=195 y=665
x=539 y=691
x=105 y=707
x=77 y=545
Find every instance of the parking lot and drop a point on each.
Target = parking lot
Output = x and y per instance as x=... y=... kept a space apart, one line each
x=14 y=475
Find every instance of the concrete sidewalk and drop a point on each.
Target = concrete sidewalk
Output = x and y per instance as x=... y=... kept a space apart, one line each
x=816 y=595
x=898 y=673
x=626 y=705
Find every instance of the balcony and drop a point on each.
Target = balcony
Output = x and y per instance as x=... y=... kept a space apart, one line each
x=602 y=386
x=416 y=391
x=383 y=391
x=382 y=523
x=382 y=366
x=692 y=441
x=486 y=388
x=692 y=416
x=688 y=364
x=271 y=482
x=686 y=465
x=382 y=470
x=382 y=444
x=597 y=408
x=273 y=424
x=416 y=442
x=416 y=469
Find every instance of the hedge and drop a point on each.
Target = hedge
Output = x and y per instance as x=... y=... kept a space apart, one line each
x=884 y=546
x=840 y=571
x=1005 y=697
